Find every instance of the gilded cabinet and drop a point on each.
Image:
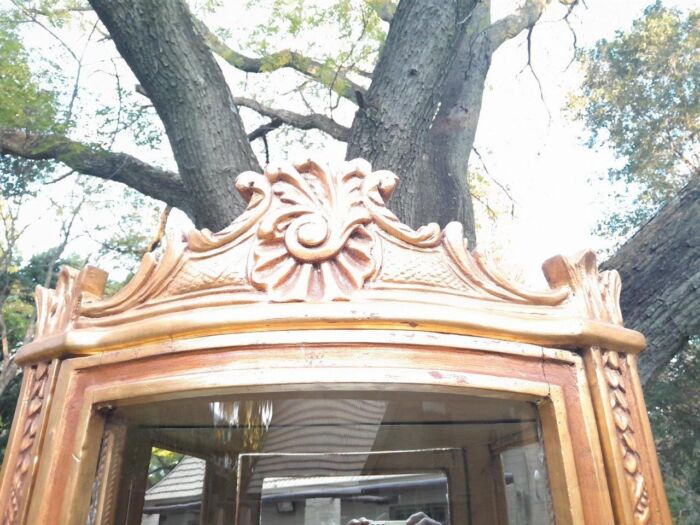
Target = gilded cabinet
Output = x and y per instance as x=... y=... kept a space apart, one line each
x=318 y=360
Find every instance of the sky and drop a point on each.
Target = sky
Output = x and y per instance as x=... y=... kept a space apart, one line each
x=527 y=141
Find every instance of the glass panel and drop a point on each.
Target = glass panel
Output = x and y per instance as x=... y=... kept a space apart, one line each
x=527 y=490
x=330 y=458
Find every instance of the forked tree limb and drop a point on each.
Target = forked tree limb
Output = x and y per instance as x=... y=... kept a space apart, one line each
x=297 y=120
x=309 y=67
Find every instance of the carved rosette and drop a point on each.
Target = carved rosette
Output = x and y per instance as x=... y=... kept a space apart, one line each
x=598 y=297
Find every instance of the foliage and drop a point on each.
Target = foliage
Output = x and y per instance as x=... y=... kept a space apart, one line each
x=162 y=461
x=8 y=401
x=641 y=96
x=359 y=36
x=674 y=404
x=24 y=104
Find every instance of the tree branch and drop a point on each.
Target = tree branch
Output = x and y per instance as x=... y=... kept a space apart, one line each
x=262 y=131
x=155 y=182
x=312 y=121
x=309 y=67
x=385 y=9
x=510 y=26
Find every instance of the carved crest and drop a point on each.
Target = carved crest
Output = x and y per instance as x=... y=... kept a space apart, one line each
x=318 y=235
x=311 y=233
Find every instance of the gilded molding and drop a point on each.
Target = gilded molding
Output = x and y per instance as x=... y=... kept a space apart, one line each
x=38 y=379
x=597 y=295
x=318 y=235
x=105 y=485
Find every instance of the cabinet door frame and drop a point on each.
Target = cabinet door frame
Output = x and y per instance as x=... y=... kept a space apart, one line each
x=88 y=387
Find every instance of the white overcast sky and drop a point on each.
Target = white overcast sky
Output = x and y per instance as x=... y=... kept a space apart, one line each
x=544 y=162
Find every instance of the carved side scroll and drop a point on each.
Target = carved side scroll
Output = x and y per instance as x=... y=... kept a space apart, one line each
x=597 y=296
x=57 y=309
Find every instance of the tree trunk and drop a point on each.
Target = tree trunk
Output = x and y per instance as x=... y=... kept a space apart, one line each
x=660 y=270
x=158 y=40
x=418 y=72
x=8 y=373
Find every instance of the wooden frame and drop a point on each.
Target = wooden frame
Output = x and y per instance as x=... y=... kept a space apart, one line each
x=319 y=281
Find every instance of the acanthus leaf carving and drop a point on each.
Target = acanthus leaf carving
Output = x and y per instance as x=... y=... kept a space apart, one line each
x=377 y=190
x=256 y=190
x=597 y=293
x=312 y=244
x=478 y=271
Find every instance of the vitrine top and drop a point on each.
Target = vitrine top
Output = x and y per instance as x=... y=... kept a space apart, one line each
x=318 y=248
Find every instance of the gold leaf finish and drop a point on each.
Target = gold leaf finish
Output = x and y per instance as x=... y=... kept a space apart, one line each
x=321 y=235
x=38 y=379
x=597 y=295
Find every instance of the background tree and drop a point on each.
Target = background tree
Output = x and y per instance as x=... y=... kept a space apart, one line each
x=641 y=97
x=402 y=86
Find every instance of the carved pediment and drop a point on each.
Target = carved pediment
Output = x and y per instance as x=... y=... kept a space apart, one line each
x=316 y=235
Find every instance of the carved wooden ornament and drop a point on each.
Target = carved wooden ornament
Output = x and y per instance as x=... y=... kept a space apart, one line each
x=318 y=249
x=320 y=236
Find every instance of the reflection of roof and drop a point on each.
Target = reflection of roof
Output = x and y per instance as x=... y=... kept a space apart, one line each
x=275 y=489
x=183 y=483
x=286 y=483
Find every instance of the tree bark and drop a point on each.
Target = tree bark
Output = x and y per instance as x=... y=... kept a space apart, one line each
x=158 y=40
x=660 y=271
x=454 y=127
x=8 y=373
x=392 y=129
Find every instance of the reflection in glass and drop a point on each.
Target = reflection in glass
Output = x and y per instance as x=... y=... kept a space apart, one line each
x=330 y=457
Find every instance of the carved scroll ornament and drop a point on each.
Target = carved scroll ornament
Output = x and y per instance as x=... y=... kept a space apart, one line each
x=311 y=233
x=597 y=294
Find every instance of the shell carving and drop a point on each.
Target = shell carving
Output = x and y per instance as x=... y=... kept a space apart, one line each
x=312 y=243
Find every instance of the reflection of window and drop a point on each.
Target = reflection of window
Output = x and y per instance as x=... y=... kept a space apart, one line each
x=338 y=499
x=267 y=458
x=420 y=479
